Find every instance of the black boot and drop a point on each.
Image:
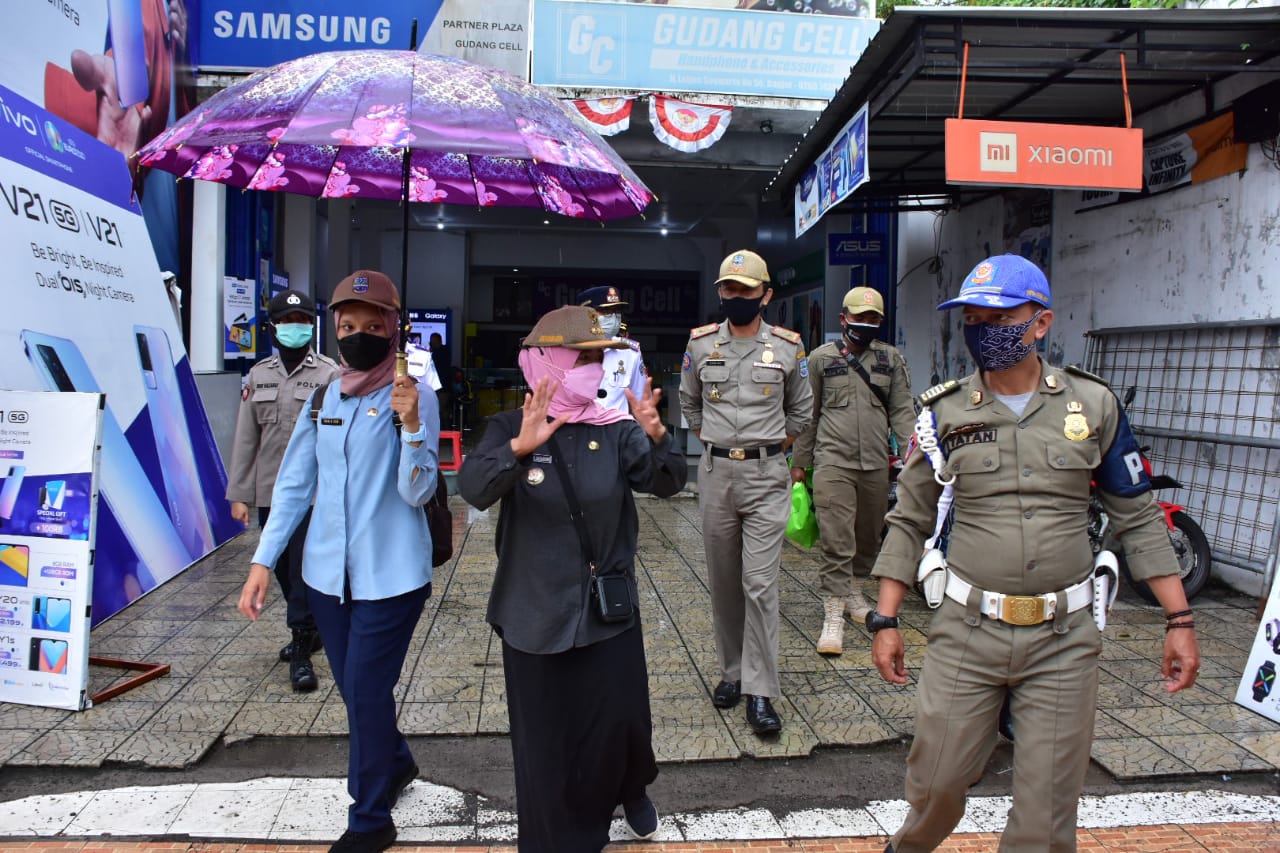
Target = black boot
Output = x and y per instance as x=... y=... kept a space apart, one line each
x=286 y=651
x=301 y=674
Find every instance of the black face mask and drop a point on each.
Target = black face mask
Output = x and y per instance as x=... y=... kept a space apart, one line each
x=861 y=334
x=740 y=311
x=363 y=351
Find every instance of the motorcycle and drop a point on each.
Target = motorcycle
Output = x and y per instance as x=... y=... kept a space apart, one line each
x=1189 y=542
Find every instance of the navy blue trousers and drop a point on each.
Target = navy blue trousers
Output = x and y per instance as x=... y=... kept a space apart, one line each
x=366 y=643
x=289 y=575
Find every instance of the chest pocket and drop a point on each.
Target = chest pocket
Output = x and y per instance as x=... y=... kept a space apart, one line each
x=766 y=375
x=264 y=405
x=714 y=373
x=1072 y=463
x=835 y=391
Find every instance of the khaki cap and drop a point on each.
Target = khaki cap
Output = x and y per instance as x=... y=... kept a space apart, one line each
x=863 y=299
x=368 y=286
x=744 y=266
x=572 y=327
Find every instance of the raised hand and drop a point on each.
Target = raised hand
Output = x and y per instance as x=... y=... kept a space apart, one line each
x=404 y=402
x=535 y=429
x=645 y=410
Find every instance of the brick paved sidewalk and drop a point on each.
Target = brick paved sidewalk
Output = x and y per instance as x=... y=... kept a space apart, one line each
x=1166 y=839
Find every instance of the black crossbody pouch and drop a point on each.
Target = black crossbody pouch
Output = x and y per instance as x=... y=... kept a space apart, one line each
x=611 y=592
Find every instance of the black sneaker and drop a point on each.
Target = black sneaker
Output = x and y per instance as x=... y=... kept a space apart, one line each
x=400 y=784
x=641 y=818
x=365 y=842
x=727 y=694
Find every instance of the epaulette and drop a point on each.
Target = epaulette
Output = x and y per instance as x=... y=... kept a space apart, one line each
x=635 y=345
x=1080 y=371
x=703 y=331
x=787 y=334
x=939 y=391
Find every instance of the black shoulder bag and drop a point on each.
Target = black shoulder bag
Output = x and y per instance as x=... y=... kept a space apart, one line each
x=610 y=593
x=862 y=372
x=439 y=516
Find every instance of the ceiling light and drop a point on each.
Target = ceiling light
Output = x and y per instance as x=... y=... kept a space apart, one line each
x=546 y=222
x=515 y=269
x=663 y=230
x=439 y=226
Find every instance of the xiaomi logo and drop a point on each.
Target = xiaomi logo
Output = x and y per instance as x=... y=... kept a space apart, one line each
x=999 y=152
x=1009 y=153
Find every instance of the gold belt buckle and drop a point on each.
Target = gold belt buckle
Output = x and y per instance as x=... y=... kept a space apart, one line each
x=1022 y=609
x=737 y=453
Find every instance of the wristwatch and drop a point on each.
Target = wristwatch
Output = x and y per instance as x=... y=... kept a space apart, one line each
x=1264 y=680
x=877 y=621
x=407 y=436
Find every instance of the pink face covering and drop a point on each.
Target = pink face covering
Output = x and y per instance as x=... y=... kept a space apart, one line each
x=577 y=397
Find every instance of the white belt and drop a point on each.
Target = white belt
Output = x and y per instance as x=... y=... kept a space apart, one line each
x=1022 y=609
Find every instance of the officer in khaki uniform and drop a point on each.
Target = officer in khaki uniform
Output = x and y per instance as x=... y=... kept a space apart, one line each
x=277 y=389
x=743 y=390
x=861 y=393
x=1022 y=440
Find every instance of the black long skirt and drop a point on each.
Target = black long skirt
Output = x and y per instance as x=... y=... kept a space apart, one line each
x=582 y=740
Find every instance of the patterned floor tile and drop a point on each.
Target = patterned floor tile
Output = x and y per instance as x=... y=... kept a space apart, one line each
x=1135 y=758
x=1265 y=745
x=274 y=718
x=1211 y=753
x=69 y=749
x=173 y=750
x=450 y=718
x=1158 y=720
x=193 y=716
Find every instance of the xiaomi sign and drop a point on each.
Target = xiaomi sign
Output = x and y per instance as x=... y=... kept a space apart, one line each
x=1043 y=155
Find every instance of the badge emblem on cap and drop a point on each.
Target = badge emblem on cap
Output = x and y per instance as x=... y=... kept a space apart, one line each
x=293 y=299
x=361 y=284
x=983 y=273
x=612 y=296
x=738 y=260
x=868 y=298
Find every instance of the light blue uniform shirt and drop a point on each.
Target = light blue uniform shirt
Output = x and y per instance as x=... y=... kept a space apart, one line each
x=368 y=523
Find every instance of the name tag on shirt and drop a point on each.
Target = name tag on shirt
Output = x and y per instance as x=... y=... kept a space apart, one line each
x=331 y=421
x=714 y=362
x=543 y=458
x=772 y=365
x=835 y=370
x=880 y=369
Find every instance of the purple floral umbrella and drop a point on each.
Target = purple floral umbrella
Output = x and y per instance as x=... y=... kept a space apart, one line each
x=336 y=125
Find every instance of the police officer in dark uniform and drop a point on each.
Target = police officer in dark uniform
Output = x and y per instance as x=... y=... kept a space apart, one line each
x=276 y=391
x=1019 y=442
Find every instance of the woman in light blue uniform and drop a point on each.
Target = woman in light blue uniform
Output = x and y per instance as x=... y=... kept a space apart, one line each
x=367 y=560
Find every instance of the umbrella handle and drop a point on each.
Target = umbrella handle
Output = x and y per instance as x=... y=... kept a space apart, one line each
x=402 y=363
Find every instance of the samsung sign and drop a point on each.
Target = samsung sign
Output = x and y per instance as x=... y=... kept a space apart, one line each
x=258 y=33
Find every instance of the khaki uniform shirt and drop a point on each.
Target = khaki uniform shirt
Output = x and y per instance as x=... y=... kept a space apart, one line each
x=745 y=392
x=1022 y=488
x=269 y=408
x=850 y=426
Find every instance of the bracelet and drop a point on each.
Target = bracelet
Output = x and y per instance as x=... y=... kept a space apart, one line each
x=1171 y=616
x=1172 y=625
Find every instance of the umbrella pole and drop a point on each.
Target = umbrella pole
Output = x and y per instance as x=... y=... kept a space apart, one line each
x=402 y=358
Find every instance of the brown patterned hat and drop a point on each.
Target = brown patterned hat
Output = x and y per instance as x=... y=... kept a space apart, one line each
x=573 y=327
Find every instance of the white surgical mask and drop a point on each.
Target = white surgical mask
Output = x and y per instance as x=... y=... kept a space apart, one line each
x=611 y=324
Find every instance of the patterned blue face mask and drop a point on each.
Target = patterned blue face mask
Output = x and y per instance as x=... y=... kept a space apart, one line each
x=998 y=347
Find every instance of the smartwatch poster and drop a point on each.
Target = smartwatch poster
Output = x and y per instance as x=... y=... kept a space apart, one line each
x=48 y=521
x=1258 y=691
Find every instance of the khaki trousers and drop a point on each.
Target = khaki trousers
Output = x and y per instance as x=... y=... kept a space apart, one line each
x=1052 y=674
x=851 y=506
x=745 y=504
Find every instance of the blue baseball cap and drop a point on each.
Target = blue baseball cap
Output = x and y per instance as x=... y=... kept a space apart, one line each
x=1002 y=282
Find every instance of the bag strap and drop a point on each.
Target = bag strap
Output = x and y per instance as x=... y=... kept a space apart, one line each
x=862 y=372
x=317 y=400
x=575 y=509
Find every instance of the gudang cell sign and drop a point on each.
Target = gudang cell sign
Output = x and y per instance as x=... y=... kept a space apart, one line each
x=1003 y=153
x=677 y=49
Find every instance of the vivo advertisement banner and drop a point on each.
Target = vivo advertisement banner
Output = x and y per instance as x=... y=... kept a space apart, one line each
x=840 y=170
x=245 y=34
x=48 y=496
x=88 y=312
x=679 y=49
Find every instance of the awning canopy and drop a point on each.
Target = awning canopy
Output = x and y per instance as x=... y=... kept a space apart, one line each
x=1038 y=64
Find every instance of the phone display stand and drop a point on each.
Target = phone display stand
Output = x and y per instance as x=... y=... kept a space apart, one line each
x=146 y=672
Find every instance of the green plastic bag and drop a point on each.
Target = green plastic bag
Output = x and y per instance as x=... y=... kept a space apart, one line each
x=802 y=526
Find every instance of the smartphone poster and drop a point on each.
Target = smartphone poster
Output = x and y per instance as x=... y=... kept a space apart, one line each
x=1258 y=690
x=47 y=546
x=91 y=314
x=239 y=319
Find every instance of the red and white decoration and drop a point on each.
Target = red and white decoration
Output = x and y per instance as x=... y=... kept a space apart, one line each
x=609 y=116
x=687 y=126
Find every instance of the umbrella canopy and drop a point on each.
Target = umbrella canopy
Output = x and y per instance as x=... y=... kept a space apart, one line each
x=336 y=125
